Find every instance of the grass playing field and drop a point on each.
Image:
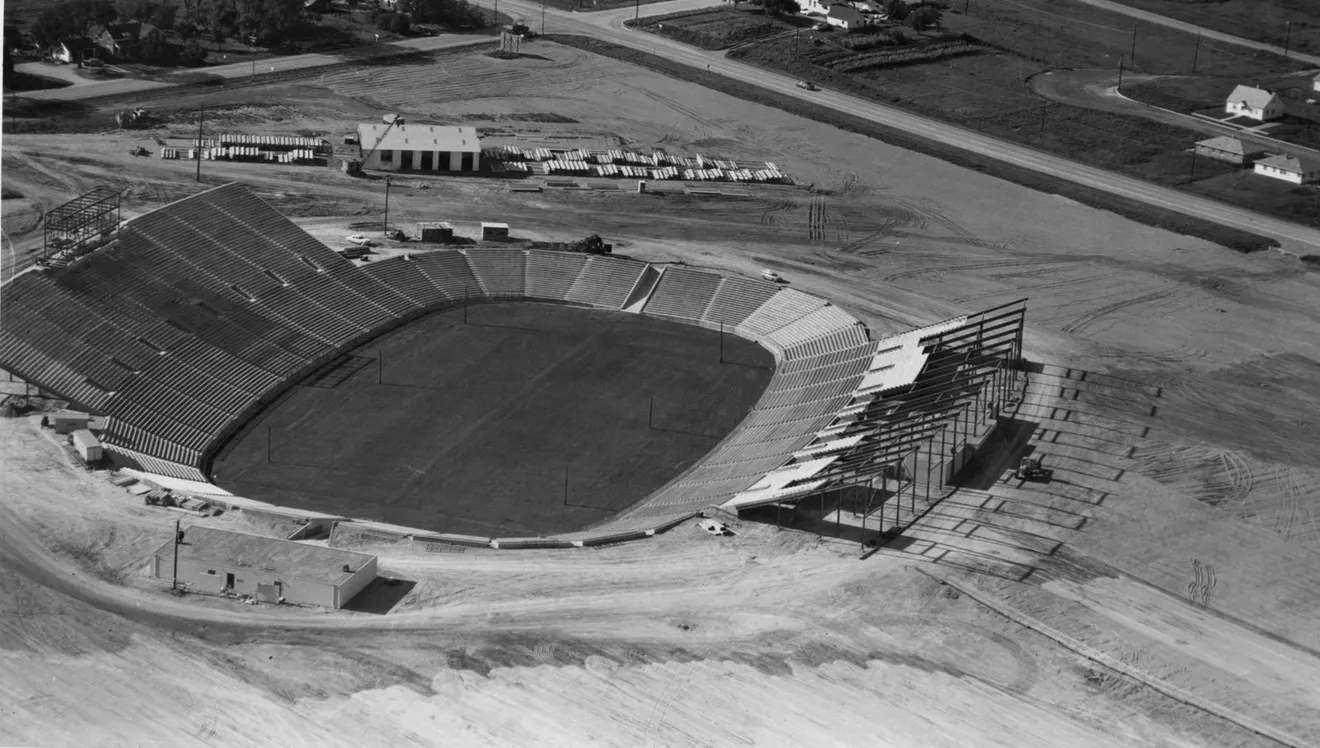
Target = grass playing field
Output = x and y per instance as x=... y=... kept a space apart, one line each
x=469 y=428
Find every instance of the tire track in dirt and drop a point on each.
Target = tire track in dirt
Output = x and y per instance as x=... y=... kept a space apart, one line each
x=1083 y=322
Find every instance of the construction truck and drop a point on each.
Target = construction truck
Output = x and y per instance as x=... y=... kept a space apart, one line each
x=1031 y=469
x=520 y=29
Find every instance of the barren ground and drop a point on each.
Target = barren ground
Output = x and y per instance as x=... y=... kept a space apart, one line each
x=1198 y=445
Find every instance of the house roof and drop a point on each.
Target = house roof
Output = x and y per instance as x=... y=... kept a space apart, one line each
x=76 y=43
x=1294 y=164
x=1256 y=98
x=845 y=13
x=284 y=558
x=420 y=137
x=124 y=32
x=1229 y=144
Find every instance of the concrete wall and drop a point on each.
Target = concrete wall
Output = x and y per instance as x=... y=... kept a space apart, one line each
x=355 y=584
x=195 y=576
x=440 y=161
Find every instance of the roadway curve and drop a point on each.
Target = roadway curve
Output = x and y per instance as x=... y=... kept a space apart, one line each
x=608 y=26
x=1098 y=90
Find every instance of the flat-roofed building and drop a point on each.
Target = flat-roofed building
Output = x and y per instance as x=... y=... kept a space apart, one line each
x=419 y=147
x=269 y=569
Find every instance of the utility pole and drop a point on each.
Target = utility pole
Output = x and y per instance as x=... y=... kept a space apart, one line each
x=565 y=485
x=1192 y=178
x=386 y=227
x=637 y=13
x=178 y=536
x=1133 y=56
x=542 y=17
x=1196 y=51
x=1287 y=39
x=1120 y=71
x=967 y=4
x=201 y=114
x=650 y=414
x=1043 y=109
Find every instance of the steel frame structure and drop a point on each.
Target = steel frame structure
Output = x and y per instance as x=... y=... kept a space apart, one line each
x=70 y=229
x=917 y=436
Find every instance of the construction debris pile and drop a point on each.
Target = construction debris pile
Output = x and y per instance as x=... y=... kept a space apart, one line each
x=627 y=164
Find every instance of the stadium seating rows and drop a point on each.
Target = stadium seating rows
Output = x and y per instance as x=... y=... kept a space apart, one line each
x=212 y=305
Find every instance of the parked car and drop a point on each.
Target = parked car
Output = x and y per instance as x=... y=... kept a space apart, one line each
x=821 y=27
x=807 y=85
x=359 y=240
x=771 y=276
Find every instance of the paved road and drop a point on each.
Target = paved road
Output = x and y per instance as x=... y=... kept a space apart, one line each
x=1192 y=28
x=1098 y=89
x=242 y=70
x=608 y=25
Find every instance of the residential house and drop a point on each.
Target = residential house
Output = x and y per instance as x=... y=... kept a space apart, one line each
x=74 y=50
x=845 y=17
x=815 y=7
x=131 y=41
x=1229 y=150
x=1254 y=103
x=1315 y=83
x=1295 y=169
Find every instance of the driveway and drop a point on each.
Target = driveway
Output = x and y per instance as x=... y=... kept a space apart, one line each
x=68 y=73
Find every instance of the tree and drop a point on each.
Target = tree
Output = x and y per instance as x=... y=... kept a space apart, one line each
x=163 y=17
x=85 y=14
x=897 y=10
x=925 y=17
x=781 y=7
x=193 y=54
x=51 y=26
x=134 y=10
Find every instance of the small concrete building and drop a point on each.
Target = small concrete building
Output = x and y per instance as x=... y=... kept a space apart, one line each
x=419 y=147
x=68 y=421
x=1229 y=150
x=87 y=446
x=435 y=233
x=1295 y=169
x=269 y=569
x=1254 y=103
x=494 y=232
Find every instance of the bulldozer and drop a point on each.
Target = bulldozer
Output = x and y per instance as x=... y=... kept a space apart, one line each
x=1031 y=469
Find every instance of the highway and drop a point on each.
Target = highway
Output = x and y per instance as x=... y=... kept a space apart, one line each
x=608 y=26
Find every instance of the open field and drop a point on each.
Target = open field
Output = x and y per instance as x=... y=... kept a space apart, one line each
x=1262 y=20
x=515 y=397
x=718 y=27
x=987 y=91
x=1198 y=445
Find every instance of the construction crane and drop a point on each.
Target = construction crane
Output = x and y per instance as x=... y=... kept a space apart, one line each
x=390 y=121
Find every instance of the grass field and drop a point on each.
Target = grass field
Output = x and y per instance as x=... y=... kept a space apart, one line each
x=718 y=27
x=1262 y=20
x=988 y=92
x=1301 y=125
x=475 y=424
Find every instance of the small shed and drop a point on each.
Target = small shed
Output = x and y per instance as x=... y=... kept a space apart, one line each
x=68 y=421
x=1229 y=150
x=494 y=232
x=438 y=232
x=87 y=446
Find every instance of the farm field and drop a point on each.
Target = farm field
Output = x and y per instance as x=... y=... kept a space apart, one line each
x=718 y=27
x=1261 y=20
x=512 y=399
x=1183 y=439
x=988 y=91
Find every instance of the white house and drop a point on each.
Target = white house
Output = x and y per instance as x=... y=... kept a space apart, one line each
x=845 y=17
x=816 y=7
x=419 y=147
x=1315 y=84
x=1256 y=103
x=74 y=50
x=1295 y=169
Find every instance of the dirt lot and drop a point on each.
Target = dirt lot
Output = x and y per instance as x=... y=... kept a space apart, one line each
x=1198 y=446
x=346 y=443
x=988 y=91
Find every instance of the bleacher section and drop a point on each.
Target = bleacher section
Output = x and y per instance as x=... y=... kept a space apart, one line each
x=503 y=272
x=209 y=308
x=682 y=294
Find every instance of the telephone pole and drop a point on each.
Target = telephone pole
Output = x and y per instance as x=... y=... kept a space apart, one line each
x=201 y=114
x=178 y=536
x=386 y=227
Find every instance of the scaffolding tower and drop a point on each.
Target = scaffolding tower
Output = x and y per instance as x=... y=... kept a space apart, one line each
x=80 y=225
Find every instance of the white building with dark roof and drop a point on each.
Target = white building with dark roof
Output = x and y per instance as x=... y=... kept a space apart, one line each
x=419 y=147
x=1254 y=103
x=1295 y=169
x=268 y=569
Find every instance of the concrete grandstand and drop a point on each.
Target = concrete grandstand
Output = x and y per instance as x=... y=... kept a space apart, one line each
x=205 y=311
